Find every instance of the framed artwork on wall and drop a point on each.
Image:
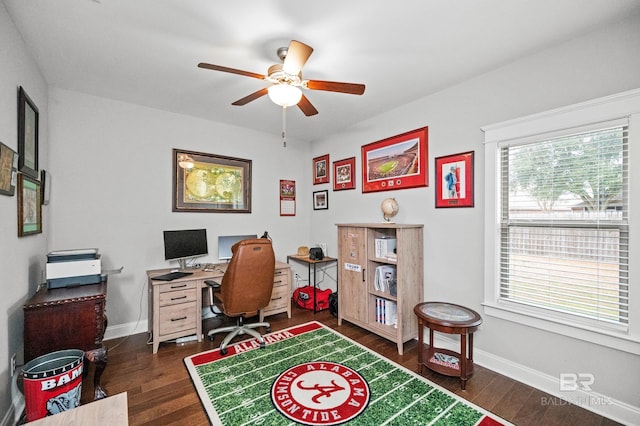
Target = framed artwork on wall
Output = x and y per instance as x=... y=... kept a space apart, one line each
x=27 y=135
x=8 y=170
x=398 y=162
x=344 y=174
x=454 y=180
x=321 y=169
x=321 y=200
x=210 y=183
x=29 y=206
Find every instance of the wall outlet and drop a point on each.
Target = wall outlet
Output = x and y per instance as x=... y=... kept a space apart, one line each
x=13 y=364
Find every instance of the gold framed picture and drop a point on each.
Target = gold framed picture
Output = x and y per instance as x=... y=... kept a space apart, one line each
x=210 y=183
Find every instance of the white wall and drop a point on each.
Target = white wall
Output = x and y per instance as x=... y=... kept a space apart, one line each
x=20 y=258
x=603 y=63
x=112 y=187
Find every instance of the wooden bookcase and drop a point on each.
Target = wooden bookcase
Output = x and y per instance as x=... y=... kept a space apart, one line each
x=359 y=300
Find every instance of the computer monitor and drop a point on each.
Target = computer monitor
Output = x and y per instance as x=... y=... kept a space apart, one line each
x=225 y=242
x=185 y=244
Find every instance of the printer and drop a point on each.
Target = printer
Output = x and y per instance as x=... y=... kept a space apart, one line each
x=67 y=268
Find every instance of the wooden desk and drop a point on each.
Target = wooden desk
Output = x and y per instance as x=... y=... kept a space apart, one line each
x=68 y=318
x=310 y=263
x=451 y=319
x=111 y=411
x=175 y=307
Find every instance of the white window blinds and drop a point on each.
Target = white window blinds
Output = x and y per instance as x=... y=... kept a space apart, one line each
x=564 y=224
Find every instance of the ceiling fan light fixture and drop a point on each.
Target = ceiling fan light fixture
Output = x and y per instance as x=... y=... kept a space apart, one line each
x=285 y=95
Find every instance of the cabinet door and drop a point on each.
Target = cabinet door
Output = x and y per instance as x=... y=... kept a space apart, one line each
x=352 y=297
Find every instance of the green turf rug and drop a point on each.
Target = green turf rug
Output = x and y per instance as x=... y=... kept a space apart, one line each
x=309 y=374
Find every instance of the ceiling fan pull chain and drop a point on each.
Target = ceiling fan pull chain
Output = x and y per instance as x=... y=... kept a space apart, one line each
x=284 y=126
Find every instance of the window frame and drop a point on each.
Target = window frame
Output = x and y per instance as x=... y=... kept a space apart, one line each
x=587 y=115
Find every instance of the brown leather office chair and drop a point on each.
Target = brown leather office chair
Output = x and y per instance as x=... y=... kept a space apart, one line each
x=246 y=288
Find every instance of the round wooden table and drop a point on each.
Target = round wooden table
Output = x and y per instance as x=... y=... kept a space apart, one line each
x=451 y=319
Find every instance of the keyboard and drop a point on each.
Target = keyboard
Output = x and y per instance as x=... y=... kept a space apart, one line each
x=172 y=276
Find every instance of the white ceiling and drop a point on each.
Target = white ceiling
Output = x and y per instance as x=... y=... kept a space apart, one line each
x=146 y=51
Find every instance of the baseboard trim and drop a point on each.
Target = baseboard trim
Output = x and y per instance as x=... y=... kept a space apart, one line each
x=123 y=330
x=600 y=404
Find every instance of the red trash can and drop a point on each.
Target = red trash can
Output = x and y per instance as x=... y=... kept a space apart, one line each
x=53 y=383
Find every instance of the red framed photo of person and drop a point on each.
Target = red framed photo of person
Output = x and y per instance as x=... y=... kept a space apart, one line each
x=321 y=169
x=454 y=180
x=344 y=174
x=398 y=162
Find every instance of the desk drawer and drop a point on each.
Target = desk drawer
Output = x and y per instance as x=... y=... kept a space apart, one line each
x=178 y=296
x=281 y=278
x=178 y=285
x=279 y=298
x=175 y=318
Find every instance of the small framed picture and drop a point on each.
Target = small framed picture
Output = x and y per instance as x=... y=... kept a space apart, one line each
x=8 y=170
x=321 y=200
x=321 y=169
x=29 y=206
x=454 y=180
x=27 y=135
x=344 y=174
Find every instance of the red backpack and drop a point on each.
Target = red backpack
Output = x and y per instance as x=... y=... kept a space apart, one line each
x=303 y=297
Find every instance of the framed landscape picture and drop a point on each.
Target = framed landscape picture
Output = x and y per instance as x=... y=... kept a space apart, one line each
x=397 y=162
x=29 y=206
x=321 y=169
x=454 y=180
x=210 y=183
x=344 y=174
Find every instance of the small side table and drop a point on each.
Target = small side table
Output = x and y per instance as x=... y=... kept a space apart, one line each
x=451 y=319
x=310 y=263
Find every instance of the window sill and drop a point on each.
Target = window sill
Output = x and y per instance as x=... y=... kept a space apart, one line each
x=609 y=338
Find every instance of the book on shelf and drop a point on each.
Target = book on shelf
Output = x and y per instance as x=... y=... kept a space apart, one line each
x=385 y=279
x=386 y=312
x=385 y=248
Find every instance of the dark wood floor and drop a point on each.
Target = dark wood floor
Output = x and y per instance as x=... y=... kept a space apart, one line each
x=160 y=391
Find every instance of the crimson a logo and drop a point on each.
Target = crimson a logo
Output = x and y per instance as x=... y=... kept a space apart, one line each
x=320 y=393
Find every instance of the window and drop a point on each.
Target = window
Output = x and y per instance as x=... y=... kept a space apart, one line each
x=558 y=221
x=564 y=225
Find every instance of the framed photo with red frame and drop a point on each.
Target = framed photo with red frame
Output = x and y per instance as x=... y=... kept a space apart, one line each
x=344 y=174
x=454 y=180
x=398 y=162
x=321 y=169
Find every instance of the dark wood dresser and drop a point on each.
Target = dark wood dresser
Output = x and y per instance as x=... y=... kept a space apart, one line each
x=68 y=318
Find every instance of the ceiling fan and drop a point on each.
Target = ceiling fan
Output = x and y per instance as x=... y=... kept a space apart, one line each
x=287 y=81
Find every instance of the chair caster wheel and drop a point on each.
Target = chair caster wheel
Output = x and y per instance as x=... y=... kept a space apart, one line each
x=262 y=345
x=223 y=351
x=212 y=338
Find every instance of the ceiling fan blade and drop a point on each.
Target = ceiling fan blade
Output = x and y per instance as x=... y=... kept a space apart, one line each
x=297 y=56
x=251 y=97
x=230 y=70
x=333 y=86
x=306 y=107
